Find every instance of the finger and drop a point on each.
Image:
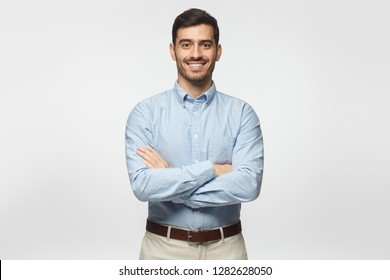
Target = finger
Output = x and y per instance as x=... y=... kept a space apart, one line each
x=152 y=157
x=152 y=151
x=149 y=162
x=146 y=163
x=145 y=154
x=158 y=158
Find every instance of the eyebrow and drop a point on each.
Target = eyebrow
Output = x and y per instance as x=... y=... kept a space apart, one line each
x=201 y=41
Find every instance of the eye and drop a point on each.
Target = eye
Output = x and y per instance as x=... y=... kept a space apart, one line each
x=185 y=45
x=207 y=45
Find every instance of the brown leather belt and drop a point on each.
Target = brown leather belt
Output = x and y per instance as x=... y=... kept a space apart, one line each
x=193 y=236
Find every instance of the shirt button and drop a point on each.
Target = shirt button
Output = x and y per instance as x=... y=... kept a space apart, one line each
x=196 y=161
x=195 y=135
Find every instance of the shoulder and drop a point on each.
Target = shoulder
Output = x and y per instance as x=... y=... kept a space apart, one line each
x=230 y=98
x=236 y=109
x=154 y=102
x=231 y=102
x=149 y=107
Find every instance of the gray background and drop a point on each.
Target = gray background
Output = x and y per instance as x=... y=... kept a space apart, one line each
x=316 y=72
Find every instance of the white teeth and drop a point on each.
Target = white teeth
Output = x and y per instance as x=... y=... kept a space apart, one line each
x=196 y=65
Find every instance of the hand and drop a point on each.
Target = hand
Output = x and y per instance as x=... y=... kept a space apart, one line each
x=222 y=169
x=151 y=157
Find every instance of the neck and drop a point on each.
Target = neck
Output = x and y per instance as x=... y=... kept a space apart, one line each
x=195 y=89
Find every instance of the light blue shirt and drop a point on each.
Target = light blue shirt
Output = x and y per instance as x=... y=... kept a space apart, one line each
x=192 y=135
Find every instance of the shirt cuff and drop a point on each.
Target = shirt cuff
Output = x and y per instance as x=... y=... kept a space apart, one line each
x=202 y=172
x=205 y=169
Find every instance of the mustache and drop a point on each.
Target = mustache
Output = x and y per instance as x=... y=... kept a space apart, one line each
x=196 y=59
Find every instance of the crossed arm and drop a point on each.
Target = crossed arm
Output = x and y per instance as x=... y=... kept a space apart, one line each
x=203 y=184
x=153 y=159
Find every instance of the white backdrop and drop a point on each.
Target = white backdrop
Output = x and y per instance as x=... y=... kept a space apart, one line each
x=316 y=72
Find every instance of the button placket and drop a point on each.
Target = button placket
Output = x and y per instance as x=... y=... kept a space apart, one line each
x=196 y=151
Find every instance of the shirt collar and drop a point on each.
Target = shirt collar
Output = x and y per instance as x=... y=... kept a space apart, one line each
x=181 y=94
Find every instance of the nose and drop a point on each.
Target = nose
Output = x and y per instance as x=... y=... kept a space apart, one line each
x=196 y=52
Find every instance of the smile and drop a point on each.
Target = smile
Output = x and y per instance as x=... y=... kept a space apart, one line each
x=195 y=65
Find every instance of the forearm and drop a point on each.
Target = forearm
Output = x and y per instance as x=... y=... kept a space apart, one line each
x=244 y=182
x=170 y=184
x=238 y=186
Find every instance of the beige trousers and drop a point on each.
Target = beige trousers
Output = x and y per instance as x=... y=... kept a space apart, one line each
x=155 y=247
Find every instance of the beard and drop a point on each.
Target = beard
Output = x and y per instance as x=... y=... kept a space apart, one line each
x=195 y=77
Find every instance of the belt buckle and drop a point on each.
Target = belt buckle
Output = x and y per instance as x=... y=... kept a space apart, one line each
x=189 y=238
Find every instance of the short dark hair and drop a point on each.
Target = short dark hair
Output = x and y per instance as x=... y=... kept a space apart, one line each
x=194 y=17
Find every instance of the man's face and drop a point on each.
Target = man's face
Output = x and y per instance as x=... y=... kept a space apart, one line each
x=195 y=53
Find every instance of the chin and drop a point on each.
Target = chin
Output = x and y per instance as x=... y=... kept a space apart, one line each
x=197 y=79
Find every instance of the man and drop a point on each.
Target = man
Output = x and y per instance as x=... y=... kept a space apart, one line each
x=195 y=154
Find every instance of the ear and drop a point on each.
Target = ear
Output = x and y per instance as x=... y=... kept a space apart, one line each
x=219 y=52
x=172 y=51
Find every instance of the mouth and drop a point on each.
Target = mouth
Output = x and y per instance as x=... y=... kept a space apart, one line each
x=196 y=65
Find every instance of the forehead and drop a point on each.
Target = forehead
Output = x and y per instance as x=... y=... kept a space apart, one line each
x=196 y=32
